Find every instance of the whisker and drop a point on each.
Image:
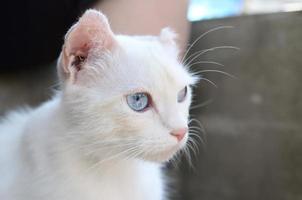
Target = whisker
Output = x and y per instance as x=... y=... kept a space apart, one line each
x=206 y=62
x=200 y=130
x=135 y=153
x=108 y=143
x=99 y=148
x=201 y=52
x=201 y=104
x=175 y=160
x=196 y=121
x=200 y=37
x=196 y=132
x=189 y=148
x=201 y=139
x=194 y=146
x=199 y=135
x=187 y=154
x=209 y=81
x=111 y=157
x=54 y=86
x=216 y=71
x=196 y=129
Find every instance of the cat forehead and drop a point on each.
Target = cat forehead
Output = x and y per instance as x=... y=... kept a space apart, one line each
x=145 y=63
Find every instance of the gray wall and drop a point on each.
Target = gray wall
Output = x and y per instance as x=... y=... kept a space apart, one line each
x=253 y=123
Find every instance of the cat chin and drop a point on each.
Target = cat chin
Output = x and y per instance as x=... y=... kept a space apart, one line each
x=168 y=154
x=163 y=156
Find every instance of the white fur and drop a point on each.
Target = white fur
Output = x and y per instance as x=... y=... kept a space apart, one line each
x=86 y=143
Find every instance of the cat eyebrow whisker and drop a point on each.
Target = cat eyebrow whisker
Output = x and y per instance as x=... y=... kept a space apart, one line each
x=216 y=71
x=200 y=37
x=195 y=55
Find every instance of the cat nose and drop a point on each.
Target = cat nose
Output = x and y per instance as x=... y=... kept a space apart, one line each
x=179 y=133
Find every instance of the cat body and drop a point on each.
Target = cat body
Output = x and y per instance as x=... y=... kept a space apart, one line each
x=32 y=175
x=122 y=112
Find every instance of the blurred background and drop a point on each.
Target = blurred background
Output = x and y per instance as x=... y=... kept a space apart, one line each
x=253 y=123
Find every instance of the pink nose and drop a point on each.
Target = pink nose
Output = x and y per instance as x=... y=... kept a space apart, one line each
x=179 y=133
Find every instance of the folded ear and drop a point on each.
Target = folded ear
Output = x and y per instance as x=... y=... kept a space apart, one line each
x=168 y=38
x=90 y=34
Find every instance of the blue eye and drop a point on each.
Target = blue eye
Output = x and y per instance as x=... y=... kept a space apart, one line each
x=138 y=101
x=182 y=94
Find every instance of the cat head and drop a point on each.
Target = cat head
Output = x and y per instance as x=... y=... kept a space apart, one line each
x=124 y=96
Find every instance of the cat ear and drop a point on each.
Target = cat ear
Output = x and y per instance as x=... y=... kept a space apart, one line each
x=168 y=38
x=89 y=35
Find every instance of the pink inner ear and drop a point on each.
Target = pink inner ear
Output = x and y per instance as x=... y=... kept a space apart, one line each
x=91 y=32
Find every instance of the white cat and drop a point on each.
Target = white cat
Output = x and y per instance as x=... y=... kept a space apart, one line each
x=122 y=112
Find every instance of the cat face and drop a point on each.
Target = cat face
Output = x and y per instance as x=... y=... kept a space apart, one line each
x=124 y=96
